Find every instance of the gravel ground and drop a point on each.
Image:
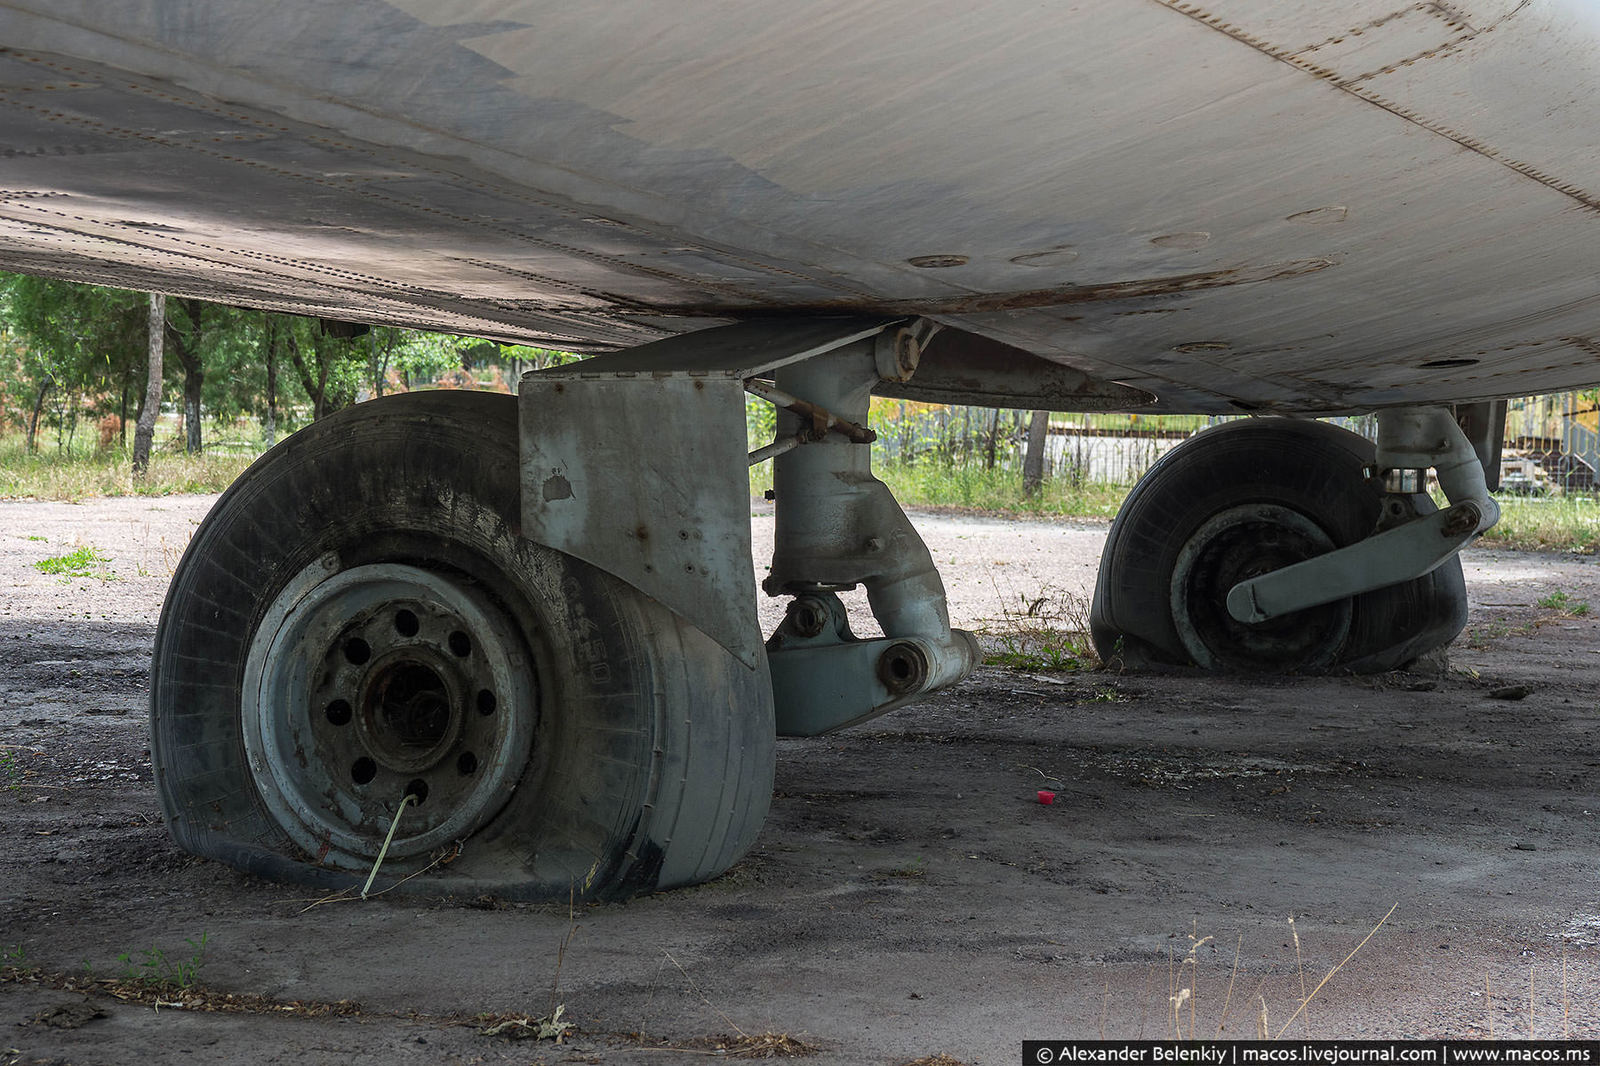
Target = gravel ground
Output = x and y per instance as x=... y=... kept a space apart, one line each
x=909 y=897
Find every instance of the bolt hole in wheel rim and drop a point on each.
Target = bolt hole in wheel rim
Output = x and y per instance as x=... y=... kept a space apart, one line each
x=383 y=681
x=1233 y=546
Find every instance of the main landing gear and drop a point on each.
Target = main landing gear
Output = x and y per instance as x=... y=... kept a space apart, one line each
x=509 y=645
x=1282 y=545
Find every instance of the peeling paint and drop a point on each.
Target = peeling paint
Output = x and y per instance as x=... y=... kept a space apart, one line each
x=557 y=487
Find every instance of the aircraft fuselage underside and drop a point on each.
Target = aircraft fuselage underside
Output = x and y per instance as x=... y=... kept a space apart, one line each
x=1252 y=205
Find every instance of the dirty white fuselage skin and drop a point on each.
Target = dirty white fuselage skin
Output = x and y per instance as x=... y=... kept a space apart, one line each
x=1294 y=207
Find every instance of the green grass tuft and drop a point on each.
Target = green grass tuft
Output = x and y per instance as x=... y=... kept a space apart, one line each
x=80 y=562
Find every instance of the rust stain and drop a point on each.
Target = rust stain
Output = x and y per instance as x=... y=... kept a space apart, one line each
x=1029 y=299
x=1340 y=38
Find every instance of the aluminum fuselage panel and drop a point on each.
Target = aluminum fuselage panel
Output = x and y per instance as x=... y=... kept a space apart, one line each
x=1282 y=205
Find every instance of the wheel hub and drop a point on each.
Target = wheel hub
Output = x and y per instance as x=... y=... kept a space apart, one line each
x=379 y=682
x=409 y=715
x=1233 y=546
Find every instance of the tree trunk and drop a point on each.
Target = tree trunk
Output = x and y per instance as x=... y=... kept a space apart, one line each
x=316 y=387
x=192 y=381
x=1033 y=458
x=379 y=361
x=150 y=408
x=270 y=430
x=187 y=349
x=38 y=408
x=993 y=441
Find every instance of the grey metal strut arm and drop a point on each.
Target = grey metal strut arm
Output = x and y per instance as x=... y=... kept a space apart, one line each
x=1409 y=438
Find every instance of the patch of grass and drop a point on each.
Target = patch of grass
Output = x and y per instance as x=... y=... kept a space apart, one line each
x=80 y=562
x=1183 y=999
x=1563 y=602
x=52 y=474
x=522 y=1027
x=10 y=780
x=913 y=870
x=155 y=970
x=1568 y=523
x=1479 y=637
x=1045 y=631
x=971 y=487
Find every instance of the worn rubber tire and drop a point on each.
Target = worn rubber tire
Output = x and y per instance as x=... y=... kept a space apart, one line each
x=651 y=757
x=1309 y=467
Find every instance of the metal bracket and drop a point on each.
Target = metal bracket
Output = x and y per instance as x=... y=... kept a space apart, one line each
x=815 y=423
x=635 y=463
x=1409 y=438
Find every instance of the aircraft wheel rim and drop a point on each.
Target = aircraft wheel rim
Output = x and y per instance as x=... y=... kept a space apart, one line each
x=366 y=685
x=1234 y=545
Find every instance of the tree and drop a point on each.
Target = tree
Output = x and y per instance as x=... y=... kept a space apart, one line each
x=327 y=361
x=82 y=343
x=1033 y=459
x=86 y=349
x=150 y=407
x=269 y=355
x=186 y=335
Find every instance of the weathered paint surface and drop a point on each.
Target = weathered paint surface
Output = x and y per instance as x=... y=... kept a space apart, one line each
x=1287 y=205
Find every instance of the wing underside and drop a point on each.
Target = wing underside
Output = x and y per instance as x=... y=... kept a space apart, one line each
x=1275 y=206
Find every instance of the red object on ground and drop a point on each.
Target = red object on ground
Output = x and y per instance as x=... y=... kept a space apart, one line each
x=1046 y=797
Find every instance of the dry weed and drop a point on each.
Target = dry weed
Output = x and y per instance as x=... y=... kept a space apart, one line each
x=1044 y=630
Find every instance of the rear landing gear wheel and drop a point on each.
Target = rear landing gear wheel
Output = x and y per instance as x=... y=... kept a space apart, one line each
x=357 y=621
x=1241 y=500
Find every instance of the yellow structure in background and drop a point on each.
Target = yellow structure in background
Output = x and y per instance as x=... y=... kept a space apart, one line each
x=1584 y=411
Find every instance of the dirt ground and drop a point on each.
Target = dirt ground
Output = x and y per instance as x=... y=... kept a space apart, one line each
x=910 y=897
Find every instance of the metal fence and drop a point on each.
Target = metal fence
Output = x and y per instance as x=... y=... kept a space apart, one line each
x=1557 y=434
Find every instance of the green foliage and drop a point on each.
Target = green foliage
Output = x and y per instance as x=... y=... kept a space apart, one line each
x=1569 y=522
x=1565 y=603
x=10 y=780
x=72 y=352
x=80 y=562
x=760 y=422
x=155 y=970
x=73 y=361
